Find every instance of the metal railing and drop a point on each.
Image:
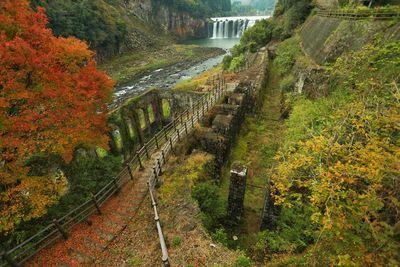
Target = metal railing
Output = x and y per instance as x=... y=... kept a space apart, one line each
x=358 y=15
x=186 y=127
x=181 y=125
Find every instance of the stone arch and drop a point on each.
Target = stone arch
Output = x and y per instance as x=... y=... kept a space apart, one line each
x=117 y=141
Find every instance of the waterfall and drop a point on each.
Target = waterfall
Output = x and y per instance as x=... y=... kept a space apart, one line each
x=214 y=33
x=226 y=29
x=233 y=27
x=220 y=30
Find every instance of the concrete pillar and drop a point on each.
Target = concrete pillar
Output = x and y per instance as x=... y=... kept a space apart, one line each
x=157 y=110
x=237 y=191
x=138 y=129
x=146 y=118
x=112 y=143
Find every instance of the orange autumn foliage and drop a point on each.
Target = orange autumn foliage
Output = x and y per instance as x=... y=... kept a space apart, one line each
x=52 y=99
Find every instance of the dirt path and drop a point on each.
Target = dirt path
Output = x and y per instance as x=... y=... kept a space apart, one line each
x=88 y=240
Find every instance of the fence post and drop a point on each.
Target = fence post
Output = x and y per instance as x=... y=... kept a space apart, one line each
x=179 y=135
x=60 y=229
x=181 y=118
x=146 y=150
x=140 y=161
x=163 y=155
x=5 y=256
x=186 y=130
x=130 y=171
x=96 y=204
x=170 y=142
x=155 y=138
x=159 y=166
x=193 y=121
x=166 y=262
x=165 y=134
x=188 y=115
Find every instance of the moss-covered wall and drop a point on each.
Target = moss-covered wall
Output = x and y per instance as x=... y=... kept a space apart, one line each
x=140 y=117
x=135 y=121
x=325 y=39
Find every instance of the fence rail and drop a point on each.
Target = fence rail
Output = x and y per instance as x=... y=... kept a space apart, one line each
x=180 y=126
x=351 y=15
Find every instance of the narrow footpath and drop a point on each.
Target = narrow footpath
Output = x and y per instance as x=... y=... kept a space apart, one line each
x=91 y=238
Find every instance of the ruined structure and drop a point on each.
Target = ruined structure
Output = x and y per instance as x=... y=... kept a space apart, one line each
x=139 y=118
x=237 y=190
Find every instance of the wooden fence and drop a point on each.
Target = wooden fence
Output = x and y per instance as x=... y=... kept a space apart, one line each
x=353 y=15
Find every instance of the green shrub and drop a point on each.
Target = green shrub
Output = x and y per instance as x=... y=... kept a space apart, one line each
x=220 y=236
x=242 y=261
x=227 y=61
x=287 y=84
x=177 y=241
x=294 y=231
x=287 y=52
x=210 y=202
x=237 y=62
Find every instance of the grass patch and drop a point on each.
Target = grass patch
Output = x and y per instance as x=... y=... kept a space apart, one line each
x=186 y=174
x=197 y=82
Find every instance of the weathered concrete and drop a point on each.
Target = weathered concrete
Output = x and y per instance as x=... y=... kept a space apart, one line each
x=237 y=191
x=325 y=39
x=127 y=134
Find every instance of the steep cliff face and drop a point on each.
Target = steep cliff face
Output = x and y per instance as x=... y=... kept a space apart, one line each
x=166 y=20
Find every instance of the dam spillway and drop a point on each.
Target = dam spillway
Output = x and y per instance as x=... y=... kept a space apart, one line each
x=232 y=27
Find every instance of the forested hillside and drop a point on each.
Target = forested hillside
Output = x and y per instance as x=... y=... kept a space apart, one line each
x=113 y=26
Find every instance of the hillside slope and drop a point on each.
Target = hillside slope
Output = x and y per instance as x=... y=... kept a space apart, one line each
x=112 y=27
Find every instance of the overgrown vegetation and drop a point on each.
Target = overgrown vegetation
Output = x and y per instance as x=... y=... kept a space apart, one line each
x=86 y=174
x=98 y=22
x=287 y=16
x=199 y=8
x=336 y=179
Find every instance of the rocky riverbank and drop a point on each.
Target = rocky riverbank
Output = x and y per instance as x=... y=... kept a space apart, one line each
x=158 y=68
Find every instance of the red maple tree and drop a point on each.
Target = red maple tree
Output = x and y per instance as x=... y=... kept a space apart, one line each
x=52 y=99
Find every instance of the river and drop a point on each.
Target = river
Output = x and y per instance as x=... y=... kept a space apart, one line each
x=224 y=33
x=166 y=78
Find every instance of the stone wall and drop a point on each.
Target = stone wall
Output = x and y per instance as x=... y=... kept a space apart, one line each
x=139 y=118
x=179 y=24
x=219 y=136
x=325 y=39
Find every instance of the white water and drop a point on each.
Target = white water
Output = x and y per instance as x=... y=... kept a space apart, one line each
x=214 y=35
x=233 y=27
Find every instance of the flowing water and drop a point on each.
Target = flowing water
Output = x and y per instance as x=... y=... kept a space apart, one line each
x=233 y=27
x=226 y=33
